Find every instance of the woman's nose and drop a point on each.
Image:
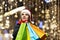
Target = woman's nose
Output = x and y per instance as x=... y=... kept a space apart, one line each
x=24 y=15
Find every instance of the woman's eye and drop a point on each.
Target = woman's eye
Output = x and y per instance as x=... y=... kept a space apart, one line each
x=22 y=14
x=26 y=14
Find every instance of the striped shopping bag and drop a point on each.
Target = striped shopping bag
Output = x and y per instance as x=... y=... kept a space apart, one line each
x=33 y=35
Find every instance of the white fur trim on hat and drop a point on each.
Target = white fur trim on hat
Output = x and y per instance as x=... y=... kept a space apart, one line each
x=26 y=11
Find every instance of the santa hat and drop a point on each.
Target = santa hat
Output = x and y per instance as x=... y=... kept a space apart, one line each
x=26 y=11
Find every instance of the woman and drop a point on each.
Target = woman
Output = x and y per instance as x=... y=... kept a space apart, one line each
x=25 y=15
x=24 y=30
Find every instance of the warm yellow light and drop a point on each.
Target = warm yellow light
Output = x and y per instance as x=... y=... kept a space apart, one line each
x=39 y=15
x=42 y=11
x=51 y=31
x=11 y=6
x=15 y=16
x=39 y=6
x=47 y=28
x=20 y=0
x=7 y=24
x=11 y=0
x=1 y=19
x=47 y=11
x=7 y=17
x=24 y=3
x=3 y=2
x=53 y=26
x=1 y=16
x=35 y=9
x=47 y=15
x=54 y=17
x=50 y=0
x=52 y=11
x=1 y=24
x=7 y=21
x=15 y=4
x=54 y=0
x=42 y=2
x=1 y=7
x=1 y=11
x=59 y=31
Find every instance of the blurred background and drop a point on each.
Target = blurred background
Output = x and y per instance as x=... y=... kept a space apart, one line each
x=45 y=15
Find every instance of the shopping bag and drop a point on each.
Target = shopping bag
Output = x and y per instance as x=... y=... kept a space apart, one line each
x=21 y=32
x=33 y=35
x=28 y=34
x=39 y=32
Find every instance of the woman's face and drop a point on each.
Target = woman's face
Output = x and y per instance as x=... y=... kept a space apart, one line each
x=24 y=16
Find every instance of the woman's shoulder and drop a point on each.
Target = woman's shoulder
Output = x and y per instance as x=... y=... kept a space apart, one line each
x=17 y=26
